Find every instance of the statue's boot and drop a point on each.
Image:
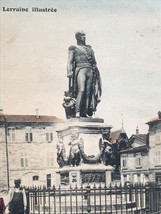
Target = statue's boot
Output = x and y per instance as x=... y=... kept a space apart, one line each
x=79 y=101
x=85 y=114
x=77 y=115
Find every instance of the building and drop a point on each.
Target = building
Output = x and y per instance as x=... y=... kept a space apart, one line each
x=141 y=162
x=120 y=142
x=155 y=149
x=28 y=149
x=135 y=159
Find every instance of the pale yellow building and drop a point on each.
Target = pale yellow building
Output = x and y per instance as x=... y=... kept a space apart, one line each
x=28 y=149
x=155 y=149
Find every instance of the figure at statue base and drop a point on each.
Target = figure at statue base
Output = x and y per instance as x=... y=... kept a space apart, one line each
x=85 y=87
x=74 y=154
x=77 y=154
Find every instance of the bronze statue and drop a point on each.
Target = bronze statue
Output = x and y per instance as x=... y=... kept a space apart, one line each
x=84 y=79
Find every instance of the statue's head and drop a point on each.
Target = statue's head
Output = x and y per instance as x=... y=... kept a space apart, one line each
x=80 y=36
x=106 y=134
x=60 y=138
x=74 y=134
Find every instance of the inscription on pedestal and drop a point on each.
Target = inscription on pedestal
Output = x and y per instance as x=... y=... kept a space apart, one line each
x=92 y=177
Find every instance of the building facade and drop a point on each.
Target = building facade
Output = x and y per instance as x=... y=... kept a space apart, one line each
x=28 y=149
x=142 y=162
x=135 y=161
x=155 y=149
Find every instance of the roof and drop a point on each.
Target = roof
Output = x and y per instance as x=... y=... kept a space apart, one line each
x=157 y=119
x=136 y=149
x=30 y=118
x=115 y=135
x=141 y=137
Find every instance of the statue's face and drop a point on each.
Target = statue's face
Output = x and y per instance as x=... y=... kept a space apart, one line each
x=83 y=38
x=74 y=136
x=60 y=138
x=80 y=36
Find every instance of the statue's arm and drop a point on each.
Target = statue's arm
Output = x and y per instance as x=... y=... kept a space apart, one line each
x=70 y=63
x=94 y=59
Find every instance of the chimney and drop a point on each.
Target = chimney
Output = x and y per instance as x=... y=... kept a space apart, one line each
x=137 y=130
x=159 y=114
x=37 y=113
x=1 y=111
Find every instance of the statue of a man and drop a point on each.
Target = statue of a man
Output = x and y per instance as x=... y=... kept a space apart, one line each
x=84 y=77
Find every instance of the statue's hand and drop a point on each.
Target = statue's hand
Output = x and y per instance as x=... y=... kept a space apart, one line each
x=69 y=74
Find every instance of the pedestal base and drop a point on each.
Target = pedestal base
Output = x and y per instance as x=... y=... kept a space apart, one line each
x=85 y=174
x=90 y=169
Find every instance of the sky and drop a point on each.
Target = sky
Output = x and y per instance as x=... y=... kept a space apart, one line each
x=125 y=36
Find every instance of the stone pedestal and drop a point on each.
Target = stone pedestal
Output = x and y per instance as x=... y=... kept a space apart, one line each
x=91 y=170
x=74 y=178
x=84 y=174
x=108 y=178
x=90 y=130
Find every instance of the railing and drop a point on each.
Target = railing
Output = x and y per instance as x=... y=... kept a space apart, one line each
x=95 y=199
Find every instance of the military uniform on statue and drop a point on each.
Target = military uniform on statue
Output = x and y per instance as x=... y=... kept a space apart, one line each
x=86 y=138
x=84 y=77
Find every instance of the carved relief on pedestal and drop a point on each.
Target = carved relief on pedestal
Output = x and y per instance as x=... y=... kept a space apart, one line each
x=77 y=155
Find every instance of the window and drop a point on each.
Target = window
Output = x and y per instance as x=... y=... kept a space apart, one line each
x=49 y=137
x=124 y=161
x=11 y=134
x=157 y=139
x=138 y=178
x=50 y=158
x=28 y=135
x=131 y=178
x=49 y=134
x=158 y=178
x=23 y=160
x=35 y=178
x=158 y=157
x=138 y=160
x=125 y=179
x=48 y=177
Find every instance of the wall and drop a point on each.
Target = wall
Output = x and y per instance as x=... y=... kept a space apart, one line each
x=28 y=159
